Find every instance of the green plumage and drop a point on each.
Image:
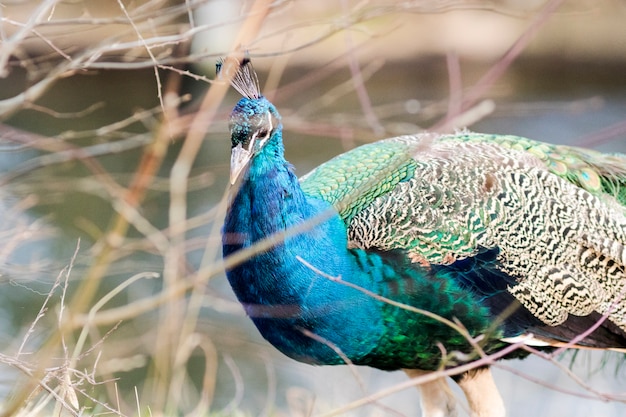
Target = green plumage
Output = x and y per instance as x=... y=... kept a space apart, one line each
x=353 y=180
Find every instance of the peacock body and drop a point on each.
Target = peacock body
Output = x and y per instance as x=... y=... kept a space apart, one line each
x=375 y=256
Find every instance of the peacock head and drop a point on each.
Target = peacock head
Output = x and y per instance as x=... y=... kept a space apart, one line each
x=253 y=122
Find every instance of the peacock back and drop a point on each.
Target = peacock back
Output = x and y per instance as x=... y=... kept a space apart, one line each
x=555 y=216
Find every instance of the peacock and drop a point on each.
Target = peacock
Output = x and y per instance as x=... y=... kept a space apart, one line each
x=425 y=252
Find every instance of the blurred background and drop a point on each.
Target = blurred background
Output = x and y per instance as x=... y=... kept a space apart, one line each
x=114 y=152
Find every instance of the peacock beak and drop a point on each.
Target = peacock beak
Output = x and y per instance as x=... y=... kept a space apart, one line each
x=239 y=159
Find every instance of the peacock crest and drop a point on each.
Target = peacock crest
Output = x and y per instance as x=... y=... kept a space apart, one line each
x=241 y=74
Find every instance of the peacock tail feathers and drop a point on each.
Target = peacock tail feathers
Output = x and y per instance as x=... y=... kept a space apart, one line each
x=596 y=172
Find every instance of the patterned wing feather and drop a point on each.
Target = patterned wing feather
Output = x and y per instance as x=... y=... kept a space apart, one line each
x=351 y=181
x=556 y=214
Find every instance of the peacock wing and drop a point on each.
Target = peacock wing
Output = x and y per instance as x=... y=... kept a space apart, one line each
x=391 y=196
x=554 y=213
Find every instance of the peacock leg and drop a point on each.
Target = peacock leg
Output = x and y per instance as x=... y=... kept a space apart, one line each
x=482 y=394
x=436 y=398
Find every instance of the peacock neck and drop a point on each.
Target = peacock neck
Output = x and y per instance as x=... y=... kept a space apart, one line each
x=269 y=203
x=282 y=294
x=269 y=200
